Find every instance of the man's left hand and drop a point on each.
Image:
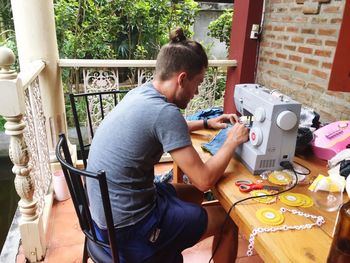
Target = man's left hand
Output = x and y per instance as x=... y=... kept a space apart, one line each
x=222 y=121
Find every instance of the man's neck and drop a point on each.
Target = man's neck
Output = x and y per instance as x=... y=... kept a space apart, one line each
x=166 y=88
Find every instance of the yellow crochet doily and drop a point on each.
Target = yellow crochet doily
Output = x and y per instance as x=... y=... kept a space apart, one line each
x=295 y=199
x=280 y=178
x=308 y=202
x=269 y=216
x=263 y=199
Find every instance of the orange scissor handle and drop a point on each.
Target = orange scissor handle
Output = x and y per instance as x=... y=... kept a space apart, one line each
x=240 y=182
x=247 y=186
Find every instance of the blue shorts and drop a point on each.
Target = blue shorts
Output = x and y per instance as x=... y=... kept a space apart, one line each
x=172 y=226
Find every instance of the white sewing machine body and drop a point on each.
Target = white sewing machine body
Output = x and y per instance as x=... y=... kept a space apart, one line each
x=273 y=131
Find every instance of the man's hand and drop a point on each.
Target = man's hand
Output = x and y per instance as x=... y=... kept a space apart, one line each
x=238 y=134
x=221 y=122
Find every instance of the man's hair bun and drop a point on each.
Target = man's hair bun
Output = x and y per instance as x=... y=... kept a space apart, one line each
x=177 y=35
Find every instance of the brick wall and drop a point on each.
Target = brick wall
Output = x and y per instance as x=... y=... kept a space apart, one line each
x=296 y=53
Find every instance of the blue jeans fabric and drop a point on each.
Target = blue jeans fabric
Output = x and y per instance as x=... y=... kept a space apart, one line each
x=214 y=145
x=207 y=113
x=172 y=226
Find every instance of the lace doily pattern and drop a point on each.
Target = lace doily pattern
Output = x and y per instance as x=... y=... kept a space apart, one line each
x=319 y=221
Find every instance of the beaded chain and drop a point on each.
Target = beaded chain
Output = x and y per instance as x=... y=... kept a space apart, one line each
x=319 y=221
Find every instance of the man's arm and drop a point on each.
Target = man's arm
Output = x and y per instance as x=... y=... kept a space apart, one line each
x=219 y=122
x=205 y=175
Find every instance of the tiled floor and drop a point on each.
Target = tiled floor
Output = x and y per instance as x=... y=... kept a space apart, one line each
x=65 y=240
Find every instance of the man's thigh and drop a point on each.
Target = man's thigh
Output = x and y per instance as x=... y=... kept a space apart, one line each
x=189 y=193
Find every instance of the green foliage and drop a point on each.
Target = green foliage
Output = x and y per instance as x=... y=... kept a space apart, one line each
x=7 y=32
x=84 y=28
x=109 y=29
x=81 y=111
x=2 y=123
x=221 y=27
x=6 y=23
x=119 y=29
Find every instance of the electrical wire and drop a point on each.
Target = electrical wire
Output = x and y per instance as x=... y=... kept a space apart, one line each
x=284 y=164
x=302 y=166
x=259 y=40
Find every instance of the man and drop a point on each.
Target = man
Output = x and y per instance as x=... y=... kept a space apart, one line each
x=155 y=222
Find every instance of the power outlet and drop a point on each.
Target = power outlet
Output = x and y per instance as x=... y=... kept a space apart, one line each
x=255 y=31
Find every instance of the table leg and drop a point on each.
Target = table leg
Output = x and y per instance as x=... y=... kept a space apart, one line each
x=177 y=174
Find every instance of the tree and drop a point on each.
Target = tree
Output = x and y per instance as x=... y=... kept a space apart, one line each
x=119 y=29
x=6 y=24
x=221 y=27
x=7 y=32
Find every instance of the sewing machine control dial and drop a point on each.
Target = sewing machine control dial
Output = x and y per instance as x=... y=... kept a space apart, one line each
x=259 y=114
x=255 y=136
x=286 y=120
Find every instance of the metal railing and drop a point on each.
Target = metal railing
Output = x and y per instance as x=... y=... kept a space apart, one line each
x=102 y=75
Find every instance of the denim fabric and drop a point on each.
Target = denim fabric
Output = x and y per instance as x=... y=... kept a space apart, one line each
x=214 y=145
x=207 y=113
x=166 y=177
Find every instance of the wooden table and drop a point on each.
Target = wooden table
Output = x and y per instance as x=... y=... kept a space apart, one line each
x=311 y=245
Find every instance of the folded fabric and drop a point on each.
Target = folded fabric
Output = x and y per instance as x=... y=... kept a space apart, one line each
x=309 y=118
x=168 y=177
x=207 y=113
x=344 y=168
x=214 y=145
x=165 y=177
x=331 y=183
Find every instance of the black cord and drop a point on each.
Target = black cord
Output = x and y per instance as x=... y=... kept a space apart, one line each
x=307 y=169
x=284 y=164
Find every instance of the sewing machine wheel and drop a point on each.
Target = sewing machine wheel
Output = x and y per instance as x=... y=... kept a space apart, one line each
x=287 y=120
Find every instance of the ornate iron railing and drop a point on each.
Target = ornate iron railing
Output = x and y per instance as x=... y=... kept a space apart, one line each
x=103 y=75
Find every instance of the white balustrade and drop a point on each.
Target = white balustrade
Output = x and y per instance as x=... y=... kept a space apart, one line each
x=28 y=151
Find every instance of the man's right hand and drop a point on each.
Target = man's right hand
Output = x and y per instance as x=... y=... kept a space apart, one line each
x=238 y=134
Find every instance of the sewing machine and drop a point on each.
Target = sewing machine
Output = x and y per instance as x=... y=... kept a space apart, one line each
x=273 y=120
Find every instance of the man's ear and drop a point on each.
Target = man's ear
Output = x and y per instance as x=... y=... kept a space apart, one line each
x=181 y=77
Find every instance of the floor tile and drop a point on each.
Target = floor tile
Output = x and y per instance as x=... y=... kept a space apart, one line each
x=66 y=254
x=200 y=252
x=242 y=247
x=65 y=228
x=252 y=259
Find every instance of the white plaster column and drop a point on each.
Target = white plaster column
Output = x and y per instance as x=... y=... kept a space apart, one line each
x=36 y=39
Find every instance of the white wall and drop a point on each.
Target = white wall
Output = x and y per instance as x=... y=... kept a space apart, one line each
x=210 y=12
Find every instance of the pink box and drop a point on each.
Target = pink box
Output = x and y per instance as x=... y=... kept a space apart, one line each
x=331 y=139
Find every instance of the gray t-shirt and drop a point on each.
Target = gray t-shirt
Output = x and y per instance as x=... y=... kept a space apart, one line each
x=127 y=144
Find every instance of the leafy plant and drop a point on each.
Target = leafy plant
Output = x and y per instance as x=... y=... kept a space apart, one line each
x=6 y=23
x=7 y=32
x=119 y=29
x=2 y=123
x=221 y=27
x=105 y=29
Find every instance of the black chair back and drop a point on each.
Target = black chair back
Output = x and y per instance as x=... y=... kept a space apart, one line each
x=92 y=107
x=93 y=247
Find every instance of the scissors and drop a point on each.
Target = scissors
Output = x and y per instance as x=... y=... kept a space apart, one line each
x=247 y=186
